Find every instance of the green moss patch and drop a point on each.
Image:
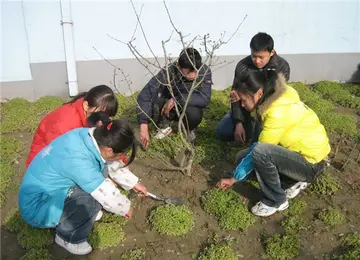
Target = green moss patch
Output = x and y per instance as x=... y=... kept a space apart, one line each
x=228 y=208
x=113 y=218
x=332 y=217
x=333 y=122
x=20 y=115
x=46 y=104
x=14 y=222
x=10 y=152
x=282 y=247
x=294 y=224
x=37 y=254
x=172 y=220
x=326 y=185
x=217 y=252
x=106 y=235
x=350 y=247
x=296 y=207
x=134 y=254
x=337 y=93
x=30 y=237
x=219 y=105
x=127 y=107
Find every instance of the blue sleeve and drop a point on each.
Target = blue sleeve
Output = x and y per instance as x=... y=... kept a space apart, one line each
x=245 y=167
x=84 y=173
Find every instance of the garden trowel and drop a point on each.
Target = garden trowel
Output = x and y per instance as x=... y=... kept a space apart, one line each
x=168 y=200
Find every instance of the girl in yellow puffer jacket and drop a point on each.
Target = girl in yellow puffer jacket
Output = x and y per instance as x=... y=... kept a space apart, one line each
x=292 y=142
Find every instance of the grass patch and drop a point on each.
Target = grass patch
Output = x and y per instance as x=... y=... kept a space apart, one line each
x=333 y=122
x=229 y=210
x=20 y=115
x=353 y=89
x=172 y=220
x=282 y=247
x=14 y=222
x=134 y=254
x=219 y=105
x=326 y=185
x=332 y=217
x=253 y=183
x=37 y=254
x=10 y=147
x=350 y=248
x=10 y=151
x=30 y=237
x=127 y=107
x=217 y=252
x=296 y=207
x=46 y=104
x=113 y=218
x=293 y=224
x=337 y=93
x=106 y=235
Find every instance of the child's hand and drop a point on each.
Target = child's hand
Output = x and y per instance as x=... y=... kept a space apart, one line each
x=225 y=183
x=129 y=214
x=140 y=188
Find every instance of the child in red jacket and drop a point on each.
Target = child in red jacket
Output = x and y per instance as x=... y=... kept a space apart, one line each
x=72 y=115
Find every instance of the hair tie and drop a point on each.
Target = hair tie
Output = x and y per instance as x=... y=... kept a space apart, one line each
x=109 y=125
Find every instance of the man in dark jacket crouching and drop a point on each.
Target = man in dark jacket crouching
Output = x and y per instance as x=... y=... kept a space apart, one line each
x=156 y=102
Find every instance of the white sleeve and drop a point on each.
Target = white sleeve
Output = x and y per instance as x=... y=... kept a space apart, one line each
x=122 y=176
x=111 y=199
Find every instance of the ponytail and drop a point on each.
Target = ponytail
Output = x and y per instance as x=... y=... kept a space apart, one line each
x=117 y=135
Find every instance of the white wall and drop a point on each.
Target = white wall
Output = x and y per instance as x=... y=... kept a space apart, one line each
x=14 y=50
x=297 y=27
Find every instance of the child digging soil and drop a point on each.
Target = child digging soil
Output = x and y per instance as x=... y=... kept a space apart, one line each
x=292 y=142
x=64 y=186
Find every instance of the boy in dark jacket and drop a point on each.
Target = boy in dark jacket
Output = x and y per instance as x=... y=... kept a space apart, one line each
x=237 y=124
x=156 y=102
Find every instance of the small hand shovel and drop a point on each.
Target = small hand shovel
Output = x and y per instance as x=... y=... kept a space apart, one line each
x=168 y=200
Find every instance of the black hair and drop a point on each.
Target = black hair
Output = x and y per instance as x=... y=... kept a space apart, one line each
x=119 y=136
x=100 y=96
x=251 y=81
x=262 y=42
x=190 y=59
x=95 y=117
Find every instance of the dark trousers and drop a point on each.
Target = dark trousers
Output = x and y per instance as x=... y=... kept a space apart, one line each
x=270 y=161
x=193 y=115
x=78 y=217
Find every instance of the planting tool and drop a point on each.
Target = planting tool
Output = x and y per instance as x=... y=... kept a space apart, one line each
x=169 y=200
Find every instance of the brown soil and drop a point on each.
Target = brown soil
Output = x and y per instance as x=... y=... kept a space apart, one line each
x=318 y=242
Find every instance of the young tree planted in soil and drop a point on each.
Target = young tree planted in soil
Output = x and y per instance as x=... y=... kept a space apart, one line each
x=153 y=64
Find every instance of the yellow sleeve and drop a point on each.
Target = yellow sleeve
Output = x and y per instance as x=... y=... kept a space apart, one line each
x=274 y=126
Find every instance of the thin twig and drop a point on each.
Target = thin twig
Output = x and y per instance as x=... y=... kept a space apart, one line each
x=349 y=157
x=143 y=32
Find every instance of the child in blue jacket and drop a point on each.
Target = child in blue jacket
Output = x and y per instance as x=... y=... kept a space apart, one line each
x=65 y=188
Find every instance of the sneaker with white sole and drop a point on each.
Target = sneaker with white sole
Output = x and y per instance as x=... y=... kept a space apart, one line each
x=262 y=210
x=293 y=191
x=82 y=248
x=99 y=215
x=162 y=133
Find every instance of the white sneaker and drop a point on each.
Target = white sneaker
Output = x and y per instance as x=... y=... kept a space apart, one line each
x=82 y=248
x=162 y=133
x=99 y=215
x=293 y=191
x=262 y=210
